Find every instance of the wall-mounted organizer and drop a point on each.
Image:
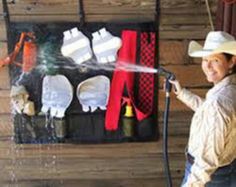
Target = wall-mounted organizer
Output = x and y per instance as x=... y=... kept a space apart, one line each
x=77 y=94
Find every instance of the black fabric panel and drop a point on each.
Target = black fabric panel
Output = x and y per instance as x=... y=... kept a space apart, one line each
x=81 y=127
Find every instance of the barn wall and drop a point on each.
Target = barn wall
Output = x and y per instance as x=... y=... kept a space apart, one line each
x=181 y=21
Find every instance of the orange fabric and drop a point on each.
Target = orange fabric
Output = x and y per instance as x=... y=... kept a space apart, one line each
x=29 y=56
x=29 y=52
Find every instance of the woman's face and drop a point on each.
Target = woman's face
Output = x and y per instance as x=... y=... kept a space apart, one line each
x=215 y=67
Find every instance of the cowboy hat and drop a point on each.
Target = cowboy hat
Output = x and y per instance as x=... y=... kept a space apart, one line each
x=216 y=42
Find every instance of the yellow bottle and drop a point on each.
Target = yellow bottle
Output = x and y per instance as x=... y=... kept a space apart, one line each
x=128 y=120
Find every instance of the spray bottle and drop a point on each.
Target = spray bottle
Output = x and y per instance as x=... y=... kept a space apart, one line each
x=128 y=120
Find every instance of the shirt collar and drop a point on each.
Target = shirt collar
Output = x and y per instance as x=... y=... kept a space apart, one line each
x=231 y=79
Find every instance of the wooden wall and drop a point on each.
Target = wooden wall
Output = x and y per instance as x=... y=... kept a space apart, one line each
x=5 y=120
x=108 y=165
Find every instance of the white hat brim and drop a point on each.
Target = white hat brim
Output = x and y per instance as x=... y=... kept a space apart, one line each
x=229 y=48
x=196 y=50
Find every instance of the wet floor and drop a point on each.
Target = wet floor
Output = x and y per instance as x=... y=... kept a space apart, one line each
x=92 y=165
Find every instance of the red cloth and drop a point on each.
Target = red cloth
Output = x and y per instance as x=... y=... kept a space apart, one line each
x=127 y=54
x=146 y=80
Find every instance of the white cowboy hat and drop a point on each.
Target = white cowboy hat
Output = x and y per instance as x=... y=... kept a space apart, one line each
x=216 y=42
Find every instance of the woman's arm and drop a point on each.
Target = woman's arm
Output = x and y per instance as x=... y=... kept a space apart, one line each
x=192 y=100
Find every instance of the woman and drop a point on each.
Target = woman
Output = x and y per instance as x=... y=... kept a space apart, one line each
x=211 y=151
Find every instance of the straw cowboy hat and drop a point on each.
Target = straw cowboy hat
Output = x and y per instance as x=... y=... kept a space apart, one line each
x=216 y=42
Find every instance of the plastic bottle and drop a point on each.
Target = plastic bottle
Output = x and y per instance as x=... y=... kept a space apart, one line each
x=128 y=120
x=60 y=129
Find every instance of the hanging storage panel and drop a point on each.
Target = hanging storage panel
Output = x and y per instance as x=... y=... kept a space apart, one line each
x=82 y=122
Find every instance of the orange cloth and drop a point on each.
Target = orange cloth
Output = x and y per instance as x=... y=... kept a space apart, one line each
x=29 y=53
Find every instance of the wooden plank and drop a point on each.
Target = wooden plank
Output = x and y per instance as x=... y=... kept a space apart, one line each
x=3 y=49
x=89 y=18
x=105 y=161
x=6 y=125
x=190 y=76
x=194 y=10
x=5 y=102
x=4 y=78
x=90 y=168
x=183 y=3
x=177 y=116
x=29 y=7
x=179 y=122
x=3 y=32
x=177 y=105
x=58 y=7
x=1 y=8
x=166 y=20
x=104 y=6
x=4 y=71
x=185 y=27
x=177 y=128
x=184 y=19
x=141 y=182
x=4 y=93
x=175 y=53
x=60 y=10
x=172 y=52
x=184 y=34
x=114 y=150
x=119 y=6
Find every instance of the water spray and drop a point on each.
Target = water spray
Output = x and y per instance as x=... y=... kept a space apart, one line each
x=94 y=65
x=125 y=66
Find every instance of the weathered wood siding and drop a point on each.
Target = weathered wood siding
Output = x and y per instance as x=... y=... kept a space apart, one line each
x=108 y=165
x=5 y=120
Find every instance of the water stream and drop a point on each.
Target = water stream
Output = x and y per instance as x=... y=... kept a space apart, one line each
x=92 y=64
x=46 y=158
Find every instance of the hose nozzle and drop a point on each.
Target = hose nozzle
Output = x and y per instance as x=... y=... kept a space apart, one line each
x=167 y=74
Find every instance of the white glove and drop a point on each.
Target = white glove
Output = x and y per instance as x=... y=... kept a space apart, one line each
x=76 y=46
x=105 y=46
x=57 y=94
x=93 y=93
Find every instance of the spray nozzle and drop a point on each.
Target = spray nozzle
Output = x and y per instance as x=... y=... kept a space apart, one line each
x=128 y=107
x=165 y=73
x=168 y=75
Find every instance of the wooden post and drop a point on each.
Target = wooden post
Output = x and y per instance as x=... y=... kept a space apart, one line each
x=5 y=124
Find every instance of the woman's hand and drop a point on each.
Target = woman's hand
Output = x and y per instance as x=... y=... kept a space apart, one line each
x=176 y=85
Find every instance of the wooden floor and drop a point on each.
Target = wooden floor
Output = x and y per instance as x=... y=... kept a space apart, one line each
x=92 y=165
x=101 y=165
